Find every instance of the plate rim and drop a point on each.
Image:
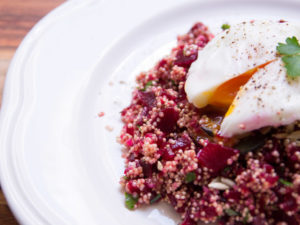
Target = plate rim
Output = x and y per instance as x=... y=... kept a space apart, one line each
x=13 y=89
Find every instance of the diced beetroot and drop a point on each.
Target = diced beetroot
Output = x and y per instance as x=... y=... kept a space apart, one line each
x=272 y=180
x=289 y=203
x=185 y=60
x=129 y=130
x=150 y=184
x=210 y=212
x=232 y=195
x=162 y=63
x=259 y=221
x=268 y=168
x=132 y=188
x=129 y=142
x=168 y=154
x=147 y=169
x=214 y=156
x=268 y=175
x=181 y=143
x=168 y=122
x=147 y=99
x=160 y=141
x=280 y=216
x=244 y=190
x=187 y=219
x=268 y=157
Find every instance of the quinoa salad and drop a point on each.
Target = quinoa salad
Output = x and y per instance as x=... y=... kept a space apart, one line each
x=174 y=152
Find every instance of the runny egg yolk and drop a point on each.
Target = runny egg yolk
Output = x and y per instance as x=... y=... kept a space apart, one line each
x=224 y=95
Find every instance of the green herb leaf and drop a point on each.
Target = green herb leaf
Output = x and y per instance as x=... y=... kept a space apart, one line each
x=274 y=208
x=148 y=84
x=130 y=201
x=226 y=169
x=231 y=212
x=291 y=47
x=155 y=199
x=250 y=143
x=246 y=218
x=290 y=52
x=285 y=182
x=292 y=64
x=190 y=177
x=225 y=26
x=139 y=127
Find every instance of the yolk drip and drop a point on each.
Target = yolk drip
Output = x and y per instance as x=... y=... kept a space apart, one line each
x=224 y=95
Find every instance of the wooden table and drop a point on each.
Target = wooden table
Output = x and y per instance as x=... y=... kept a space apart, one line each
x=16 y=18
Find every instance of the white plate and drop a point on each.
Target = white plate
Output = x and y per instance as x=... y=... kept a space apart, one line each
x=59 y=164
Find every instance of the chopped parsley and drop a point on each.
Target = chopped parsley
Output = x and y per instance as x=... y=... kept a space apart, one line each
x=225 y=26
x=155 y=199
x=130 y=201
x=285 y=182
x=274 y=208
x=290 y=55
x=250 y=143
x=148 y=84
x=246 y=218
x=139 y=127
x=227 y=169
x=231 y=212
x=190 y=177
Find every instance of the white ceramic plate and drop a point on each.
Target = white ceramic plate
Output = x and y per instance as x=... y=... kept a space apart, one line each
x=59 y=164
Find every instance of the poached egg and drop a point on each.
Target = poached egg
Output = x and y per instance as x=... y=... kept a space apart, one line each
x=240 y=70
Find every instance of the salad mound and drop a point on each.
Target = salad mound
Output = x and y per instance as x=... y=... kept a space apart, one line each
x=173 y=152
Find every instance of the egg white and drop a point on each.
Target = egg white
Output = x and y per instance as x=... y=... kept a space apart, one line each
x=269 y=98
x=233 y=52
